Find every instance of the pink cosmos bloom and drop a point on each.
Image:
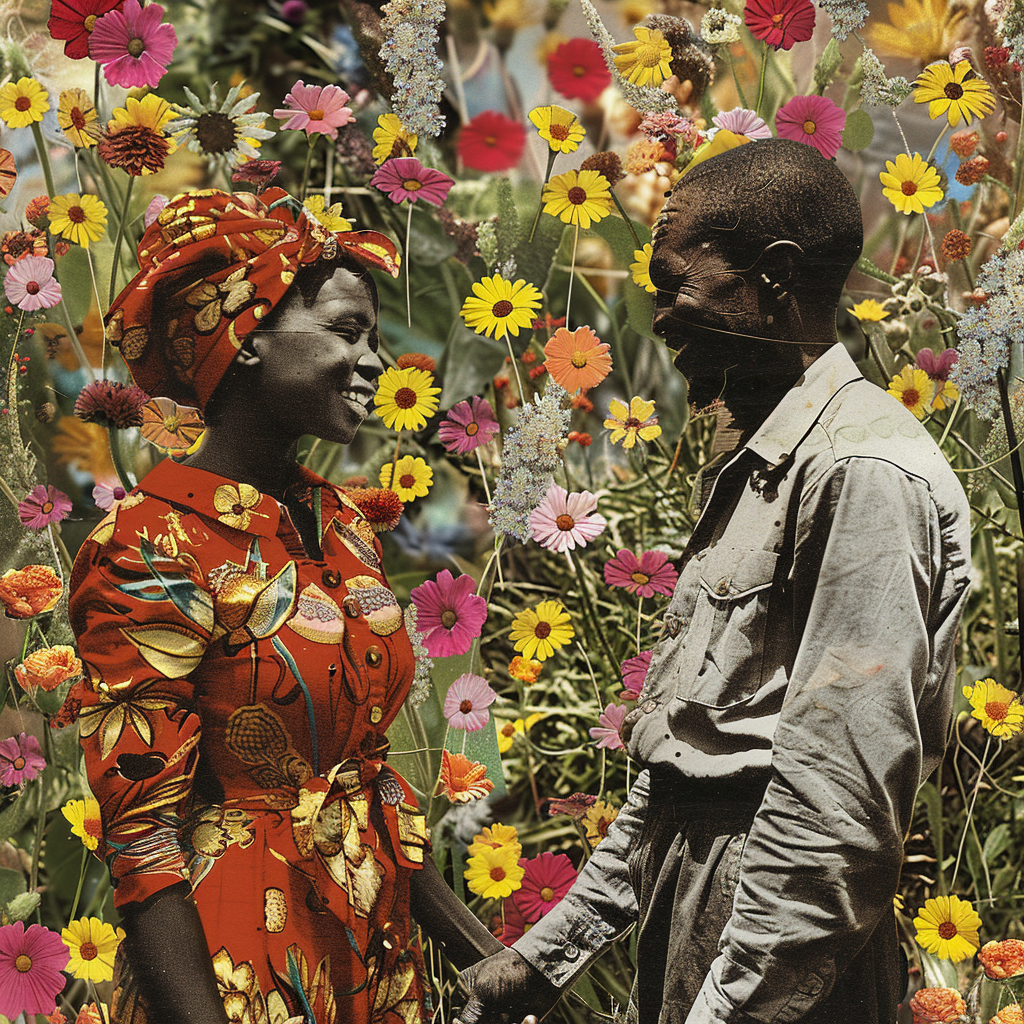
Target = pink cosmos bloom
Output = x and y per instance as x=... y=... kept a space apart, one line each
x=468 y=425
x=107 y=496
x=937 y=367
x=21 y=760
x=606 y=732
x=743 y=122
x=645 y=576
x=515 y=924
x=548 y=877
x=43 y=505
x=634 y=673
x=448 y=613
x=132 y=45
x=467 y=701
x=315 y=109
x=404 y=177
x=30 y=284
x=814 y=120
x=31 y=960
x=562 y=520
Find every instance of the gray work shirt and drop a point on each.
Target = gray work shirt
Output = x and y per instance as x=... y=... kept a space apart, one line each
x=808 y=654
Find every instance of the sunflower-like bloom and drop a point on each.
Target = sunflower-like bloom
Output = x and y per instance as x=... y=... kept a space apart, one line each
x=645 y=60
x=913 y=389
x=910 y=183
x=559 y=127
x=641 y=270
x=406 y=398
x=77 y=118
x=998 y=709
x=578 y=197
x=391 y=139
x=79 y=219
x=231 y=130
x=919 y=30
x=23 y=102
x=92 y=944
x=495 y=873
x=869 y=310
x=539 y=632
x=947 y=90
x=948 y=927
x=500 y=307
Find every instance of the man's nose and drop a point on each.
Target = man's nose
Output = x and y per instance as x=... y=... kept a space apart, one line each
x=369 y=366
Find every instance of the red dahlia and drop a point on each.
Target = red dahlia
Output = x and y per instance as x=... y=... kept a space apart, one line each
x=780 y=23
x=491 y=142
x=578 y=71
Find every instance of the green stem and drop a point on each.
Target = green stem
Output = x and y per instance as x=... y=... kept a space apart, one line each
x=935 y=144
x=81 y=876
x=996 y=589
x=540 y=206
x=408 y=274
x=44 y=158
x=393 y=482
x=625 y=217
x=970 y=812
x=736 y=79
x=572 y=274
x=309 y=163
x=589 y=610
x=115 y=266
x=1018 y=168
x=760 y=84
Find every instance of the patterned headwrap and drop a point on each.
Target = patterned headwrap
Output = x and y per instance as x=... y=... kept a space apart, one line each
x=221 y=262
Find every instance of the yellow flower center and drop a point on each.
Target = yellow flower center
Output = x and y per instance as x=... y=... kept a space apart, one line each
x=542 y=630
x=490 y=140
x=23 y=964
x=640 y=578
x=579 y=360
x=648 y=55
x=472 y=428
x=576 y=195
x=405 y=398
x=953 y=90
x=412 y=185
x=809 y=127
x=579 y=70
x=136 y=46
x=502 y=308
x=997 y=710
x=947 y=930
x=777 y=19
x=89 y=22
x=565 y=522
x=88 y=951
x=547 y=894
x=448 y=618
x=407 y=480
x=497 y=873
x=171 y=423
x=316 y=115
x=908 y=188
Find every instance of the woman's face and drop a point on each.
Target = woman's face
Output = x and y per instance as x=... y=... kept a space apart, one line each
x=318 y=363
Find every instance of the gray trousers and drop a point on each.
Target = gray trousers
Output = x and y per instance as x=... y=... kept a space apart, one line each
x=685 y=871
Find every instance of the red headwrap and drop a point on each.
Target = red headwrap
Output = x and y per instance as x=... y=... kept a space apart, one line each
x=225 y=261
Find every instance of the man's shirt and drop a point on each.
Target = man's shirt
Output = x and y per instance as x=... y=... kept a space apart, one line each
x=808 y=655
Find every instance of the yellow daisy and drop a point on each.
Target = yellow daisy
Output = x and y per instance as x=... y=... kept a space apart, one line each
x=947 y=90
x=23 y=102
x=946 y=394
x=495 y=874
x=329 y=216
x=558 y=127
x=642 y=268
x=914 y=388
x=510 y=730
x=910 y=183
x=869 y=310
x=597 y=819
x=406 y=398
x=392 y=139
x=92 y=945
x=77 y=118
x=919 y=30
x=644 y=60
x=948 y=928
x=629 y=423
x=998 y=709
x=578 y=197
x=84 y=816
x=499 y=307
x=150 y=112
x=413 y=478
x=539 y=632
x=496 y=837
x=79 y=219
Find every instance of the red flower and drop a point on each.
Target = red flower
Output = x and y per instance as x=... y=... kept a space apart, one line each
x=780 y=23
x=578 y=71
x=491 y=142
x=548 y=877
x=73 y=20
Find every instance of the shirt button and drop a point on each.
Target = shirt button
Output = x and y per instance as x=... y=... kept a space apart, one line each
x=373 y=656
x=723 y=588
x=331 y=578
x=571 y=951
x=648 y=705
x=351 y=606
x=376 y=714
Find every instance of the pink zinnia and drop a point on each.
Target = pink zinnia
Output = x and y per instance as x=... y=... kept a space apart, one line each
x=468 y=425
x=448 y=613
x=937 y=367
x=743 y=122
x=646 y=576
x=107 y=496
x=467 y=701
x=42 y=506
x=30 y=284
x=315 y=109
x=563 y=521
x=814 y=120
x=549 y=876
x=606 y=732
x=31 y=960
x=21 y=760
x=634 y=673
x=133 y=45
x=405 y=178
x=780 y=23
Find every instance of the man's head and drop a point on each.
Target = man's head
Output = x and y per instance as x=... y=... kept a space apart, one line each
x=755 y=243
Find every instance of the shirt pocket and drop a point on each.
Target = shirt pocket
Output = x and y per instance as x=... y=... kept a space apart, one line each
x=724 y=661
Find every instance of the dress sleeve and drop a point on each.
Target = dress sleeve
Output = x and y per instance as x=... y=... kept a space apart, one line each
x=143 y=620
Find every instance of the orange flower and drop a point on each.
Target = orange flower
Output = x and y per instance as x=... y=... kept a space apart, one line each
x=29 y=591
x=1002 y=960
x=170 y=426
x=524 y=669
x=417 y=360
x=577 y=359
x=937 y=1005
x=1012 y=1014
x=462 y=780
x=48 y=668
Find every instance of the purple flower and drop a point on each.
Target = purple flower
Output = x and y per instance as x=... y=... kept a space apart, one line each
x=294 y=11
x=448 y=613
x=634 y=673
x=814 y=120
x=742 y=122
x=467 y=701
x=468 y=425
x=405 y=178
x=937 y=367
x=132 y=45
x=30 y=284
x=606 y=732
x=42 y=506
x=21 y=760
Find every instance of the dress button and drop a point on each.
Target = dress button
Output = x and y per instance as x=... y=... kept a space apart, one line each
x=373 y=656
x=351 y=606
x=376 y=714
x=331 y=578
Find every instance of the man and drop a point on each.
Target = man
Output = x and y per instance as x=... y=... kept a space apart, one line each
x=804 y=683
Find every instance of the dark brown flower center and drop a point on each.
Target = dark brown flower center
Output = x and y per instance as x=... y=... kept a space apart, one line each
x=76 y=214
x=22 y=103
x=911 y=397
x=136 y=46
x=947 y=930
x=997 y=710
x=448 y=618
x=405 y=398
x=77 y=118
x=508 y=730
x=542 y=630
x=576 y=195
x=465 y=706
x=215 y=132
x=953 y=90
x=632 y=423
x=559 y=132
x=502 y=308
x=565 y=522
x=88 y=951
x=407 y=480
x=32 y=287
x=908 y=188
x=497 y=873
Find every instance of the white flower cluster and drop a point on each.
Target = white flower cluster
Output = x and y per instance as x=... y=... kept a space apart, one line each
x=424 y=663
x=720 y=28
x=847 y=15
x=878 y=90
x=410 y=55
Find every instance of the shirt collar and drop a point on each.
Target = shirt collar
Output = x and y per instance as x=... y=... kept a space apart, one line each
x=802 y=406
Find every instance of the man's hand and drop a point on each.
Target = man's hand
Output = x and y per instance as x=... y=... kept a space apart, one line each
x=505 y=989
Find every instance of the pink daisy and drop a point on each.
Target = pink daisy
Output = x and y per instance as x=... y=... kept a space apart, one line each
x=133 y=46
x=645 y=576
x=31 y=960
x=814 y=120
x=606 y=732
x=515 y=924
x=468 y=425
x=448 y=613
x=107 y=496
x=21 y=760
x=30 y=284
x=548 y=877
x=405 y=178
x=743 y=122
x=467 y=701
x=634 y=673
x=315 y=109
x=42 y=506
x=562 y=520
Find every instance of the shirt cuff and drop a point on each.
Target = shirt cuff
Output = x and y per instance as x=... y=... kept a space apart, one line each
x=147 y=865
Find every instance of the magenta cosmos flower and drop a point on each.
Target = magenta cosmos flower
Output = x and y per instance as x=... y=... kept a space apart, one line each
x=814 y=120
x=645 y=576
x=563 y=521
x=448 y=613
x=467 y=701
x=609 y=722
x=315 y=109
x=936 y=366
x=742 y=122
x=468 y=425
x=405 y=178
x=31 y=960
x=42 y=506
x=30 y=284
x=133 y=46
x=547 y=878
x=634 y=673
x=21 y=760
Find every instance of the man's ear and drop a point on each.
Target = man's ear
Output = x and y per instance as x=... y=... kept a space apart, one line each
x=778 y=262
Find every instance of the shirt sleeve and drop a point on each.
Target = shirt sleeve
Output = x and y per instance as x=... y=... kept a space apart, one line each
x=821 y=863
x=143 y=621
x=600 y=906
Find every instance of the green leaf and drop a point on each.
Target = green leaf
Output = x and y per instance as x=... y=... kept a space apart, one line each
x=508 y=221
x=859 y=130
x=933 y=809
x=12 y=884
x=23 y=906
x=827 y=66
x=938 y=973
x=468 y=363
x=997 y=842
x=429 y=244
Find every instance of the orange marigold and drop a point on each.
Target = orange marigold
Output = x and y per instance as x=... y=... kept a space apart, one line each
x=937 y=1005
x=29 y=591
x=577 y=360
x=462 y=780
x=524 y=669
x=643 y=154
x=1002 y=960
x=1012 y=1014
x=48 y=668
x=417 y=360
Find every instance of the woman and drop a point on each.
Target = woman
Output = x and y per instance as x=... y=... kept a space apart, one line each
x=244 y=655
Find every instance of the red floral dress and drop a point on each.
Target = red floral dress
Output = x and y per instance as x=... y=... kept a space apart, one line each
x=233 y=718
